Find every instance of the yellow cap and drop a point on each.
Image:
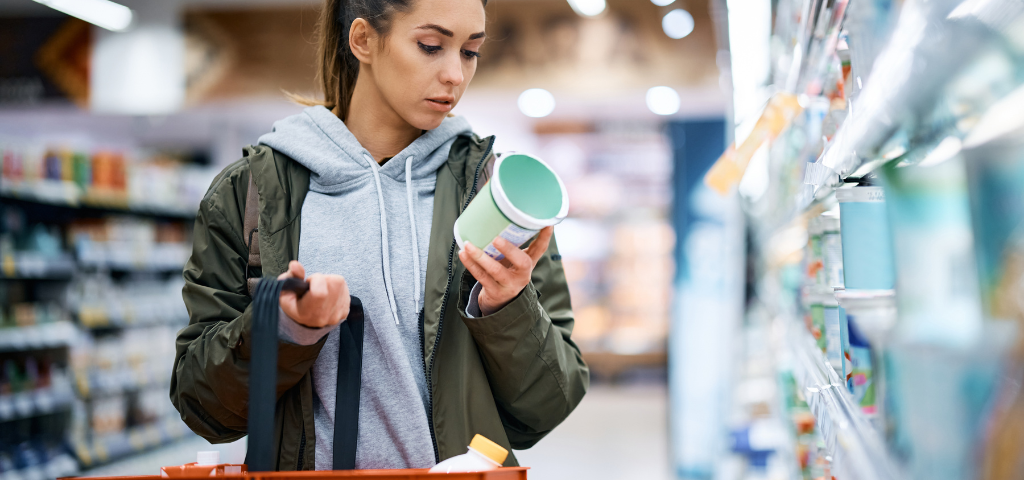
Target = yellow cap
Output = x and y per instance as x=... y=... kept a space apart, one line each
x=489 y=449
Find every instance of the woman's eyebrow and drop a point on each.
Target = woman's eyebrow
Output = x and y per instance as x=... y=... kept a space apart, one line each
x=448 y=33
x=437 y=28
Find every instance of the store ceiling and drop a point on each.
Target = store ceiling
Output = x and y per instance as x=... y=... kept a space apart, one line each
x=18 y=8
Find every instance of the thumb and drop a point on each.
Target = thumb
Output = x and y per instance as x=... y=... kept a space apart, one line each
x=289 y=304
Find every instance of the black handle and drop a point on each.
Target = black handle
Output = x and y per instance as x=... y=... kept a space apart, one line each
x=297 y=285
x=261 y=455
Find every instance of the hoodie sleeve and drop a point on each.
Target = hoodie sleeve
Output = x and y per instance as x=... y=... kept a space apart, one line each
x=537 y=372
x=210 y=380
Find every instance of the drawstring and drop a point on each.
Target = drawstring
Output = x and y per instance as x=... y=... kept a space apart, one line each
x=412 y=228
x=383 y=237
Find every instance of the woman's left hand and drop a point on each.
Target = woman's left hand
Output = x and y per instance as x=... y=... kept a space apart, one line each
x=502 y=281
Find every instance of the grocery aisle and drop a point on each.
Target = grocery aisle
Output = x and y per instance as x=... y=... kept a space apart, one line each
x=879 y=164
x=617 y=433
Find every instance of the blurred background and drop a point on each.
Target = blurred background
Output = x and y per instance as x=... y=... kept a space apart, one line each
x=795 y=244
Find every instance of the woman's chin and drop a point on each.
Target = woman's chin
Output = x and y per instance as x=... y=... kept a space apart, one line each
x=427 y=120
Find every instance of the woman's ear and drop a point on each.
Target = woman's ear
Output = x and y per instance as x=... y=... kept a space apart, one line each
x=360 y=39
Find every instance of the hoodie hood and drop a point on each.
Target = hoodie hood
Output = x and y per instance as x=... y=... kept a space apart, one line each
x=321 y=142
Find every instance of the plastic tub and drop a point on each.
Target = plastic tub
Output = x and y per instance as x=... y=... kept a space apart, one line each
x=871 y=317
x=825 y=324
x=523 y=196
x=867 y=245
x=831 y=250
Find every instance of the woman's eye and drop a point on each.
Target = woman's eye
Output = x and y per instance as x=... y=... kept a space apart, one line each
x=429 y=49
x=469 y=54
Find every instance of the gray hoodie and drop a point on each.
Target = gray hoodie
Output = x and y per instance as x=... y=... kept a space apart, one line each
x=370 y=224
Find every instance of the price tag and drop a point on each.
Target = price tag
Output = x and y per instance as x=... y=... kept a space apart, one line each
x=82 y=451
x=94 y=317
x=10 y=267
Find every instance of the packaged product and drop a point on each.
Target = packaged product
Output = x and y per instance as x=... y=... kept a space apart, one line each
x=481 y=455
x=831 y=250
x=523 y=196
x=866 y=243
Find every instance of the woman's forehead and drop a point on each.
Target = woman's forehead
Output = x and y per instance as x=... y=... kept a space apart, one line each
x=459 y=18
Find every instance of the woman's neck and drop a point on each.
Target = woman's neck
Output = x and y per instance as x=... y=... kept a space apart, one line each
x=377 y=127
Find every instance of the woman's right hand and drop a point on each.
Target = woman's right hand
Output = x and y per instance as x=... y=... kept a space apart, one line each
x=324 y=305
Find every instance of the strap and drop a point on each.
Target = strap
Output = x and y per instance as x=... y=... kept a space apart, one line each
x=260 y=456
x=250 y=231
x=350 y=367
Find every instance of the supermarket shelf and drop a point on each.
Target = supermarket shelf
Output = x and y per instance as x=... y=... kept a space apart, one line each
x=857 y=448
x=62 y=465
x=34 y=404
x=610 y=365
x=115 y=446
x=37 y=337
x=33 y=267
x=101 y=319
x=113 y=383
x=128 y=267
x=63 y=195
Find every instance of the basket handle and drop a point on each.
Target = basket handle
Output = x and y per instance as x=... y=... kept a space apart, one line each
x=260 y=455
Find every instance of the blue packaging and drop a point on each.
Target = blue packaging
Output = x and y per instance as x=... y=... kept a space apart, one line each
x=867 y=247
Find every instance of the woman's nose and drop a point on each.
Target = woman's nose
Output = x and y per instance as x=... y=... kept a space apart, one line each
x=451 y=73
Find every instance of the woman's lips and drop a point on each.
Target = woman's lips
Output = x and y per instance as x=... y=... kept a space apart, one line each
x=440 y=104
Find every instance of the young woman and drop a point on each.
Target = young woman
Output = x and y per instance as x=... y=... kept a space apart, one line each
x=363 y=189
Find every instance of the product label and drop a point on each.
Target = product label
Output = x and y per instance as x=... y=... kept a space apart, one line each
x=832 y=253
x=860 y=382
x=833 y=339
x=515 y=235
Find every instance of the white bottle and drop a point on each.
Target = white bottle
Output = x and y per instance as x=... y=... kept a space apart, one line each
x=482 y=455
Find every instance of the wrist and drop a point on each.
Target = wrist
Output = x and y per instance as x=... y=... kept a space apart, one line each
x=490 y=306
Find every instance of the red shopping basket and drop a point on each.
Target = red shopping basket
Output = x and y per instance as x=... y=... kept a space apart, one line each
x=504 y=473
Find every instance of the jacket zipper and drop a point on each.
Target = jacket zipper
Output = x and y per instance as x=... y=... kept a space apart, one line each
x=302 y=449
x=444 y=304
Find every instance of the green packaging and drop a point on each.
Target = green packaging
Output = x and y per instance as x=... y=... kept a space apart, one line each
x=523 y=196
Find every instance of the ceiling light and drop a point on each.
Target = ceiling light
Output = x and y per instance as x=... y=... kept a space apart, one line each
x=588 y=8
x=102 y=13
x=536 y=103
x=663 y=100
x=662 y=3
x=677 y=24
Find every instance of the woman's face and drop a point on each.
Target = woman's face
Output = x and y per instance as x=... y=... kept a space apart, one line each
x=429 y=58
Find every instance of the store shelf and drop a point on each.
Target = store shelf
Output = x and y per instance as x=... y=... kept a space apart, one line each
x=131 y=266
x=62 y=465
x=35 y=267
x=103 y=319
x=111 y=447
x=65 y=195
x=610 y=365
x=857 y=448
x=114 y=383
x=35 y=403
x=37 y=337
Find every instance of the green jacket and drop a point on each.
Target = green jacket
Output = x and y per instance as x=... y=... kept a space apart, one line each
x=511 y=376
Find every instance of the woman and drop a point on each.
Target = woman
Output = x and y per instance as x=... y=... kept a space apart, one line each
x=363 y=189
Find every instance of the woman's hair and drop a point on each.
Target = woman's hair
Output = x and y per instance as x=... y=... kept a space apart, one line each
x=337 y=66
